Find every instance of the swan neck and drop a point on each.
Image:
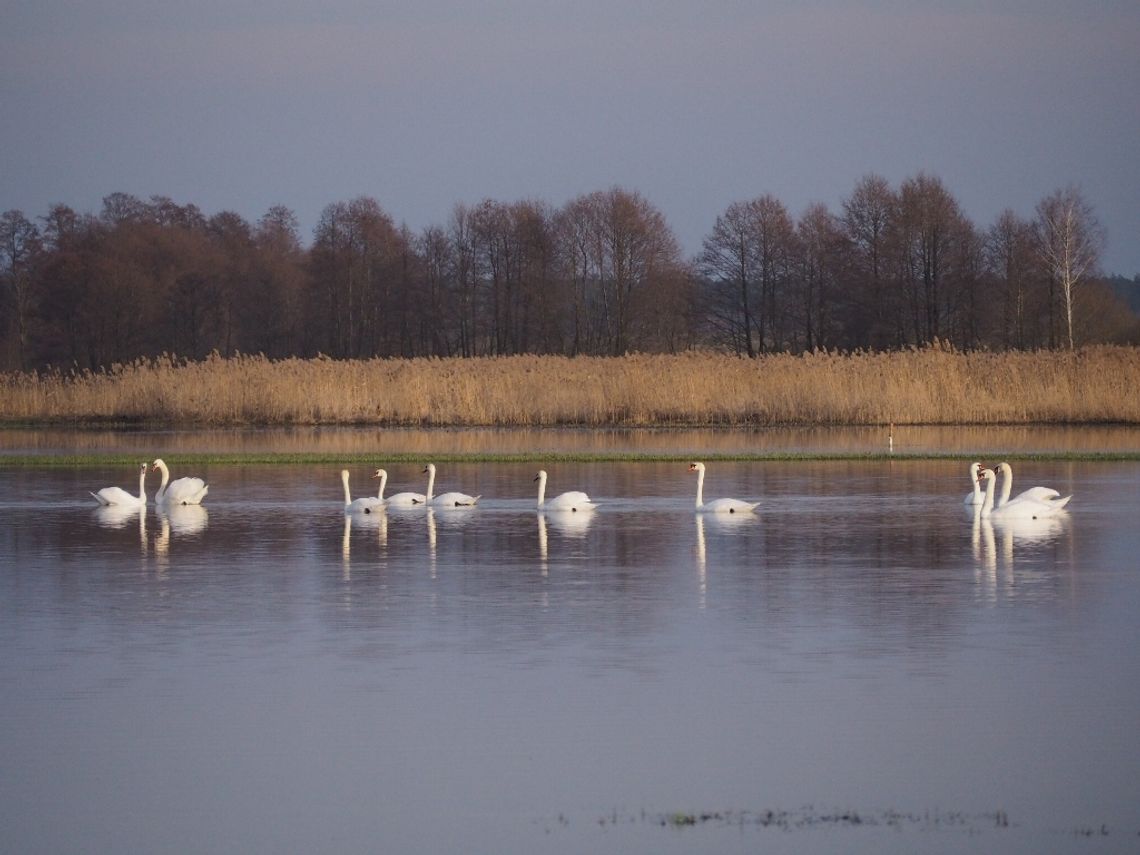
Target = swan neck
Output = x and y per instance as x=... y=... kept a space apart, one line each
x=541 y=489
x=383 y=483
x=700 y=487
x=142 y=486
x=347 y=495
x=988 y=504
x=1006 y=485
x=431 y=482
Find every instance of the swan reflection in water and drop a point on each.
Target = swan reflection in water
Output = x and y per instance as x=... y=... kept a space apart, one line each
x=377 y=519
x=567 y=524
x=182 y=521
x=722 y=523
x=117 y=516
x=993 y=539
x=120 y=516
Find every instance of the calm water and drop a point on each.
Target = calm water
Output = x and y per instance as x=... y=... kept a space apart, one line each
x=263 y=676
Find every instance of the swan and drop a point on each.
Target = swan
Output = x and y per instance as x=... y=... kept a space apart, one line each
x=977 y=496
x=120 y=497
x=180 y=491
x=1018 y=508
x=366 y=505
x=718 y=506
x=574 y=500
x=1041 y=494
x=398 y=500
x=446 y=500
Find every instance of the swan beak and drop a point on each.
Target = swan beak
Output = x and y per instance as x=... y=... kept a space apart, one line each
x=692 y=467
x=536 y=477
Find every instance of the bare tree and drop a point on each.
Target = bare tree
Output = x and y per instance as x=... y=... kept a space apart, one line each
x=928 y=229
x=1012 y=264
x=20 y=244
x=726 y=262
x=747 y=261
x=275 y=322
x=357 y=261
x=867 y=214
x=627 y=260
x=1069 y=240
x=821 y=261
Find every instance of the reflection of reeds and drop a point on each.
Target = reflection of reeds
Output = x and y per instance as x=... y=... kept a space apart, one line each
x=934 y=385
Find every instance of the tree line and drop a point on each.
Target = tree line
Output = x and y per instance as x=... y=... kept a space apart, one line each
x=601 y=275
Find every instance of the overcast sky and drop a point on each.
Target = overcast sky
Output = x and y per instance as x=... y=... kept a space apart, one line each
x=243 y=104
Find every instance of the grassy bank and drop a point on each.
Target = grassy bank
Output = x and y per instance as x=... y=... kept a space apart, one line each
x=929 y=386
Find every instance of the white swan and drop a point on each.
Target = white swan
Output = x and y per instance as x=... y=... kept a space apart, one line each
x=398 y=500
x=446 y=500
x=718 y=506
x=976 y=497
x=573 y=500
x=366 y=505
x=180 y=491
x=1018 y=508
x=1041 y=494
x=120 y=497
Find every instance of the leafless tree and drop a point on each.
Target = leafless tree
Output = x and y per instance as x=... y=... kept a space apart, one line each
x=928 y=228
x=1069 y=241
x=626 y=260
x=1012 y=263
x=871 y=310
x=20 y=246
x=727 y=263
x=821 y=261
x=747 y=262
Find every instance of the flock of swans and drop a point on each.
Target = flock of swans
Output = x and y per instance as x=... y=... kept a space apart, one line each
x=191 y=491
x=1034 y=503
x=572 y=500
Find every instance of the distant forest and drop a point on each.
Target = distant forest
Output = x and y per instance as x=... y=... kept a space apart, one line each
x=602 y=275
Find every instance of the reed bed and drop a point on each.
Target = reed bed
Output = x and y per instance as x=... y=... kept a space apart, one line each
x=933 y=385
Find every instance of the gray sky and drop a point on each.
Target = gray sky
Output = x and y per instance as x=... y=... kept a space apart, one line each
x=243 y=104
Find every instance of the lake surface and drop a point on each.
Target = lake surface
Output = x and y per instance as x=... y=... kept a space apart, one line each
x=862 y=667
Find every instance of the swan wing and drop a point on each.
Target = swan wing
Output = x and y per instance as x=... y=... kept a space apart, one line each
x=454 y=500
x=406 y=500
x=185 y=491
x=1020 y=508
x=1040 y=494
x=115 y=496
x=364 y=506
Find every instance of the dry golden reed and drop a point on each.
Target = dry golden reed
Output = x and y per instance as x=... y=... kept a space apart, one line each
x=933 y=385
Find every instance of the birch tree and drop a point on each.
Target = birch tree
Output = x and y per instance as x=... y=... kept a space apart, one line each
x=1069 y=241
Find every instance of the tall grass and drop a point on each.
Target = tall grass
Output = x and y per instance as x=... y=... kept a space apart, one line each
x=934 y=385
